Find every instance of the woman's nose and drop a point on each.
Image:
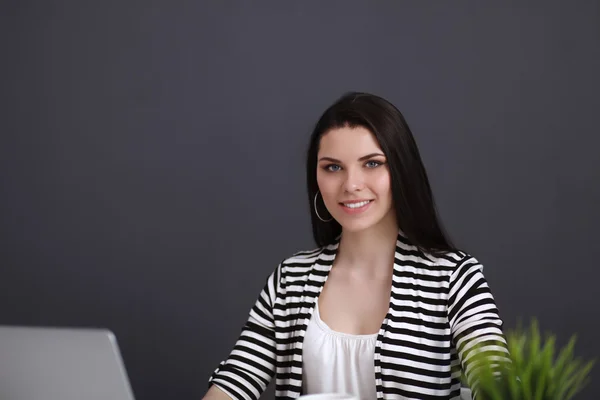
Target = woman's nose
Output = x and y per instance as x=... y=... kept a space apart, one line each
x=354 y=182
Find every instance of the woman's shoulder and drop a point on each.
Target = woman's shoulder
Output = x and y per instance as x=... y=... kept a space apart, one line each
x=296 y=268
x=448 y=258
x=455 y=262
x=449 y=261
x=303 y=258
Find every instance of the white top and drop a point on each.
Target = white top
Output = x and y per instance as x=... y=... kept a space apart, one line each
x=335 y=362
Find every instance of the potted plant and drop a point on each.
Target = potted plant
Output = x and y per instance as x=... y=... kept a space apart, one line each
x=534 y=370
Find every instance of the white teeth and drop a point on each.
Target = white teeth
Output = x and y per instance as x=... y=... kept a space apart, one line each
x=357 y=205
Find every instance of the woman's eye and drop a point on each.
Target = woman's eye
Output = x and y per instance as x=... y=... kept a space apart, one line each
x=332 y=168
x=372 y=164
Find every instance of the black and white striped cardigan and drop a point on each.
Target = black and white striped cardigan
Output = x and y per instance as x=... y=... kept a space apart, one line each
x=439 y=308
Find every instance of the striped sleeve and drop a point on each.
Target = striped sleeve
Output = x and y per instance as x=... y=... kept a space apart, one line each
x=474 y=318
x=246 y=373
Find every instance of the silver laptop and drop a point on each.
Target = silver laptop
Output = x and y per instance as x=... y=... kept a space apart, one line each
x=61 y=364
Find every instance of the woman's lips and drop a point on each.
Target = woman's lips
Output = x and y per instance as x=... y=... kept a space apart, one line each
x=356 y=207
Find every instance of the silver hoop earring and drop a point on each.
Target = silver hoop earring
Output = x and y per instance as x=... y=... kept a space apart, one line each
x=317 y=212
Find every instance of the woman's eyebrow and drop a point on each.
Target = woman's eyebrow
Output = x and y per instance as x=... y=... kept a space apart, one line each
x=360 y=159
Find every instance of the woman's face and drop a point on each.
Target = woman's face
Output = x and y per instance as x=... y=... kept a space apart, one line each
x=354 y=179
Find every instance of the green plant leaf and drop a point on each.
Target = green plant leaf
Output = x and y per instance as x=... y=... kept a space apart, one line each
x=544 y=369
x=578 y=381
x=534 y=368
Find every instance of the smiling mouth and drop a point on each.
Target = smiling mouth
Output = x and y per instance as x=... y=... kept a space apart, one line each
x=356 y=205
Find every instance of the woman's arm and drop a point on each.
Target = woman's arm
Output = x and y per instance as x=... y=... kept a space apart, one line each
x=474 y=318
x=245 y=374
x=214 y=393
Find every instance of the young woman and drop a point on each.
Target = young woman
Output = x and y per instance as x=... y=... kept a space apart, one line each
x=386 y=307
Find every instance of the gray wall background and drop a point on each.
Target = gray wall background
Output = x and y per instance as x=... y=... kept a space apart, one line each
x=151 y=157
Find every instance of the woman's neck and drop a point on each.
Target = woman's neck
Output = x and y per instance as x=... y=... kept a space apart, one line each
x=371 y=250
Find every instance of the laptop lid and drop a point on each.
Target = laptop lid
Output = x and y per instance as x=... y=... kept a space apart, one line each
x=39 y=363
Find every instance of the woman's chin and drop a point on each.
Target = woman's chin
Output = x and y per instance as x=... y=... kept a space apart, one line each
x=357 y=226
x=367 y=223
